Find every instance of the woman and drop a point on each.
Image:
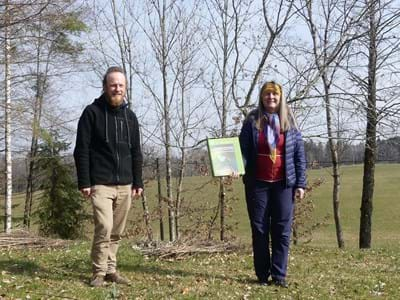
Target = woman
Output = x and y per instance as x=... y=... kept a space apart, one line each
x=275 y=164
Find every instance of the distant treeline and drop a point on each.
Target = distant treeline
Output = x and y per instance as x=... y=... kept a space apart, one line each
x=318 y=153
x=197 y=161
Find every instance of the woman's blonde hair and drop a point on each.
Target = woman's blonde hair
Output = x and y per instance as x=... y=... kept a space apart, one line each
x=286 y=117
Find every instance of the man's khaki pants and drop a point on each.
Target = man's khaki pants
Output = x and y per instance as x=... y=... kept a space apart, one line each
x=111 y=204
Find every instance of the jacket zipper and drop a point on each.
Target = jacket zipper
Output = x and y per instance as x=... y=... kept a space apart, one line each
x=116 y=146
x=285 y=156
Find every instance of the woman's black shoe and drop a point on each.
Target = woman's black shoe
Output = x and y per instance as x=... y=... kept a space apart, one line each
x=280 y=283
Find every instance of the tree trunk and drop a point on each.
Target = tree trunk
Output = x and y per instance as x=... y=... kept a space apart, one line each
x=179 y=192
x=224 y=116
x=370 y=141
x=222 y=209
x=183 y=154
x=122 y=49
x=7 y=92
x=171 y=206
x=335 y=166
x=37 y=112
x=367 y=196
x=160 y=210
x=336 y=199
x=323 y=62
x=29 y=191
x=146 y=217
x=167 y=130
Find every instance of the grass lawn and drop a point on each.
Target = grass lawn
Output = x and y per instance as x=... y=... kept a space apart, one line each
x=317 y=270
x=314 y=273
x=385 y=220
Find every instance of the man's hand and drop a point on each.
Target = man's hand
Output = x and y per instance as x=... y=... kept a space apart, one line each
x=136 y=192
x=299 y=193
x=86 y=192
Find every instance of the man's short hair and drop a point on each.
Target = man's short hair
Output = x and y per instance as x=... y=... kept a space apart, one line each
x=112 y=70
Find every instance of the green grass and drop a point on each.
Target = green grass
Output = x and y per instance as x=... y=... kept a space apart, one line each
x=317 y=270
x=385 y=222
x=314 y=273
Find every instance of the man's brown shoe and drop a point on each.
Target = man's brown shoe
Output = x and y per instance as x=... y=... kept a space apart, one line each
x=97 y=281
x=115 y=277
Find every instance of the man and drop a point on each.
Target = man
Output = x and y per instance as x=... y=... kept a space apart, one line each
x=108 y=160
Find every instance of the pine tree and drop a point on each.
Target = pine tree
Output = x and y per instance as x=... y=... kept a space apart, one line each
x=61 y=209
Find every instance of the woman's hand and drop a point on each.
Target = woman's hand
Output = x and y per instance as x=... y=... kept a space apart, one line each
x=299 y=193
x=234 y=175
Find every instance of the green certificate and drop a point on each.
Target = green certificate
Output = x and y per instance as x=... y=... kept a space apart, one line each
x=225 y=156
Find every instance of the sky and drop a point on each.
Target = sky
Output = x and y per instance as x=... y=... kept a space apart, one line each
x=82 y=88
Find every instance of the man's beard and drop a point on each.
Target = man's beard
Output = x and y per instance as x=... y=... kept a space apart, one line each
x=115 y=100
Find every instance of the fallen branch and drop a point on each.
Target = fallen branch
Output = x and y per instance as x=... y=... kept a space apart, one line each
x=180 y=250
x=22 y=239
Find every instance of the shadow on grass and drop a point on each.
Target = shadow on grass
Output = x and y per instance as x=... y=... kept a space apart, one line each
x=76 y=268
x=68 y=269
x=158 y=270
x=21 y=267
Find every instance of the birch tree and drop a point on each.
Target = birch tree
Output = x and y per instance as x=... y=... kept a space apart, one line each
x=15 y=16
x=7 y=92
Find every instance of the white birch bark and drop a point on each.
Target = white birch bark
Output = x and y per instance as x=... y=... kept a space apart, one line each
x=7 y=125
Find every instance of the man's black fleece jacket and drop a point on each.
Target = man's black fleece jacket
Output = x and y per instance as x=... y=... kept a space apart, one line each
x=107 y=149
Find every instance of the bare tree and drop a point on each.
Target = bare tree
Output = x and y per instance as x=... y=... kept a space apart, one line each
x=16 y=16
x=23 y=6
x=239 y=47
x=160 y=27
x=115 y=33
x=162 y=49
x=156 y=23
x=220 y=48
x=50 y=40
x=381 y=47
x=329 y=50
x=276 y=16
x=188 y=73
x=114 y=36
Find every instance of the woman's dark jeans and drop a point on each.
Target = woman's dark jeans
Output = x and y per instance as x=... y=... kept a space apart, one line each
x=271 y=214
